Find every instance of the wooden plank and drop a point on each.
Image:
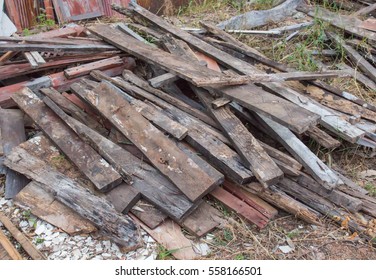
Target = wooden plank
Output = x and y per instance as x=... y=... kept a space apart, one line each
x=264 y=208
x=26 y=244
x=170 y=236
x=162 y=80
x=13 y=133
x=355 y=57
x=220 y=102
x=155 y=187
x=123 y=197
x=4 y=254
x=330 y=121
x=347 y=23
x=241 y=208
x=9 y=248
x=160 y=150
x=93 y=166
x=203 y=220
x=281 y=200
x=31 y=60
x=43 y=205
x=56 y=48
x=94 y=208
x=369 y=24
x=194 y=73
x=301 y=153
x=85 y=69
x=323 y=138
x=72 y=109
x=38 y=58
x=148 y=214
x=253 y=155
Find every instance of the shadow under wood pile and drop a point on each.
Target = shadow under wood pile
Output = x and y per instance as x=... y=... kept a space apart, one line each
x=120 y=150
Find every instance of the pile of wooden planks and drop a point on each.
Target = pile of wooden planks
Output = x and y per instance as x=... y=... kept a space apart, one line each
x=192 y=121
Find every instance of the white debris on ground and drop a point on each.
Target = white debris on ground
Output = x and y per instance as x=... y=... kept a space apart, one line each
x=58 y=245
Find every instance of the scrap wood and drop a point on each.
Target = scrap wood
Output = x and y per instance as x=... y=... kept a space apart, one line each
x=369 y=24
x=11 y=251
x=364 y=11
x=56 y=48
x=97 y=170
x=33 y=252
x=94 y=208
x=43 y=205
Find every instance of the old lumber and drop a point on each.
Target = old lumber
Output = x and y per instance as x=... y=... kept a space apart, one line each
x=12 y=134
x=92 y=48
x=355 y=57
x=150 y=215
x=253 y=155
x=93 y=166
x=252 y=200
x=94 y=208
x=83 y=70
x=33 y=252
x=11 y=251
x=160 y=81
x=323 y=138
x=302 y=153
x=254 y=97
x=31 y=60
x=72 y=109
x=347 y=23
x=203 y=220
x=147 y=180
x=197 y=74
x=123 y=197
x=241 y=208
x=43 y=205
x=160 y=150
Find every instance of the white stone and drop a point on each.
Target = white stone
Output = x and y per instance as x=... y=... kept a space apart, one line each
x=285 y=249
x=40 y=229
x=107 y=244
x=98 y=248
x=76 y=254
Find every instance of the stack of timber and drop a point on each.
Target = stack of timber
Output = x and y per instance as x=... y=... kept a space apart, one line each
x=154 y=133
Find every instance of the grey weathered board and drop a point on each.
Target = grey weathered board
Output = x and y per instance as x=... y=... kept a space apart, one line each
x=92 y=165
x=195 y=73
x=147 y=180
x=159 y=149
x=13 y=134
x=320 y=171
x=56 y=48
x=96 y=209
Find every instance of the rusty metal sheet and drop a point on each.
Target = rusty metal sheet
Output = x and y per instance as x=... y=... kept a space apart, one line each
x=23 y=13
x=72 y=10
x=111 y=13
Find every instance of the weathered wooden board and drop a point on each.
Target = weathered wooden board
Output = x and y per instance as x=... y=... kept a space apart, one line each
x=239 y=207
x=355 y=57
x=147 y=180
x=26 y=244
x=347 y=23
x=94 y=208
x=123 y=197
x=162 y=80
x=160 y=150
x=97 y=170
x=85 y=69
x=38 y=58
x=195 y=73
x=203 y=220
x=169 y=235
x=31 y=60
x=281 y=200
x=148 y=214
x=319 y=170
x=323 y=138
x=43 y=205
x=56 y=48
x=252 y=200
x=13 y=134
x=9 y=248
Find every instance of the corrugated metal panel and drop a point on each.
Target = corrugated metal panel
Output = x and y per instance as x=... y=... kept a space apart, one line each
x=71 y=10
x=23 y=13
x=107 y=7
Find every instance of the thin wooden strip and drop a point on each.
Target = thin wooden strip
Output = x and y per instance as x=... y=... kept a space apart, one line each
x=38 y=58
x=160 y=150
x=241 y=208
x=9 y=248
x=33 y=252
x=31 y=60
x=163 y=80
x=56 y=48
x=323 y=138
x=97 y=170
x=94 y=208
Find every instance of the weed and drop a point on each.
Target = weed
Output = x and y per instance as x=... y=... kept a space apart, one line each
x=292 y=234
x=44 y=22
x=263 y=4
x=26 y=214
x=371 y=188
x=26 y=32
x=57 y=160
x=239 y=257
x=164 y=254
x=39 y=240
